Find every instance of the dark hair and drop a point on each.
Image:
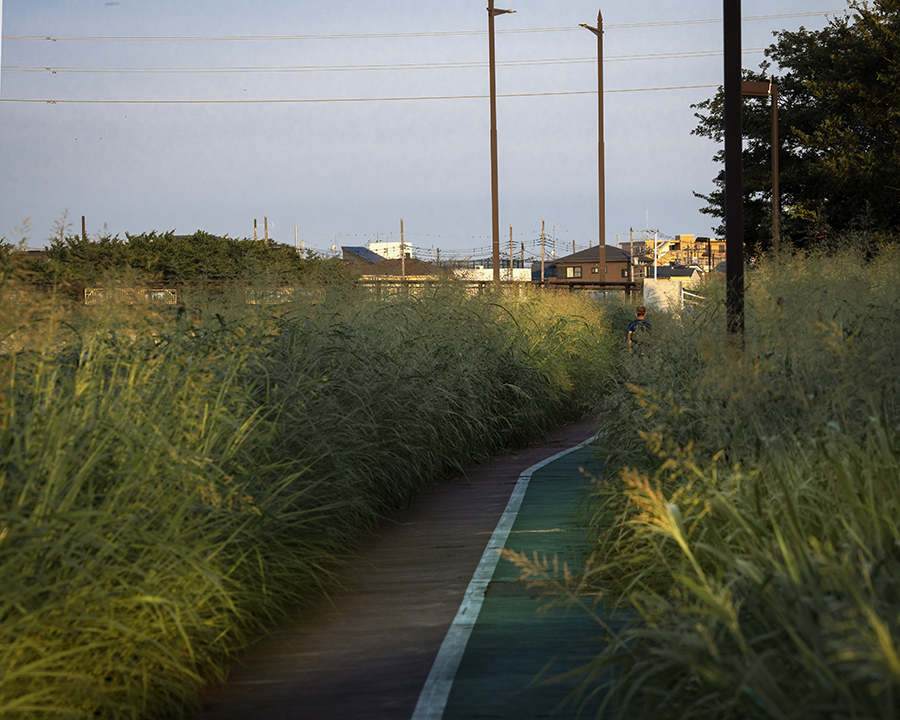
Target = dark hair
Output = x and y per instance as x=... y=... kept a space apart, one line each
x=641 y=310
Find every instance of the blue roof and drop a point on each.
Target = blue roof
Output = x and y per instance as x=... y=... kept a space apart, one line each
x=364 y=253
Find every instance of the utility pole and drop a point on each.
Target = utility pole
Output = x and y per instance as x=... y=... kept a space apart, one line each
x=543 y=242
x=655 y=254
x=523 y=256
x=83 y=233
x=266 y=228
x=296 y=236
x=495 y=193
x=254 y=230
x=734 y=180
x=601 y=147
x=510 y=254
x=402 y=252
x=631 y=253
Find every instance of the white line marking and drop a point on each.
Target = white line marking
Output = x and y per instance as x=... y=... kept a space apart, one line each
x=433 y=698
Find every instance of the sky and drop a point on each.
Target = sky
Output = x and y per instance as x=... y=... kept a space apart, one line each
x=332 y=121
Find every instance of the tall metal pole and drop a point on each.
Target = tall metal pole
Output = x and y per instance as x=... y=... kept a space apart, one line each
x=734 y=181
x=776 y=199
x=750 y=88
x=495 y=193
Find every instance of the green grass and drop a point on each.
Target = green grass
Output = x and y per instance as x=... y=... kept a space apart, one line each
x=172 y=482
x=750 y=512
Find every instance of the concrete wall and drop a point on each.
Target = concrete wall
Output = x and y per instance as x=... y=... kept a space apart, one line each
x=487 y=274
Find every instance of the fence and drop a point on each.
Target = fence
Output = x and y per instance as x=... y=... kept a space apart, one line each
x=174 y=294
x=692 y=300
x=131 y=296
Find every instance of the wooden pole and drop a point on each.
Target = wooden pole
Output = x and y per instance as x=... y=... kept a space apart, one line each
x=402 y=251
x=543 y=242
x=510 y=253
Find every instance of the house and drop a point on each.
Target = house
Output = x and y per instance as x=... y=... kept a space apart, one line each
x=684 y=250
x=359 y=258
x=678 y=273
x=666 y=290
x=373 y=265
x=598 y=264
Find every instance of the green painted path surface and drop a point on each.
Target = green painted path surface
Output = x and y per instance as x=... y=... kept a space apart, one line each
x=511 y=641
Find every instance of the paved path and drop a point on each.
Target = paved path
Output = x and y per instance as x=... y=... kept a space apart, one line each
x=369 y=653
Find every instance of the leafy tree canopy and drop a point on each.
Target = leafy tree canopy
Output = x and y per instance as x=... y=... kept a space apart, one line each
x=166 y=257
x=839 y=133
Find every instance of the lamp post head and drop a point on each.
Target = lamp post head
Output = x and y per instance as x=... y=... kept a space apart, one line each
x=594 y=30
x=499 y=11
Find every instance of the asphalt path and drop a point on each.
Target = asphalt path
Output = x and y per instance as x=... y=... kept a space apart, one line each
x=398 y=641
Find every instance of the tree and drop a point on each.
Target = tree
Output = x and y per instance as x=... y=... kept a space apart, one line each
x=839 y=154
x=166 y=257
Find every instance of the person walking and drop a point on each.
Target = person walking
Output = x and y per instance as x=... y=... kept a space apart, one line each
x=638 y=331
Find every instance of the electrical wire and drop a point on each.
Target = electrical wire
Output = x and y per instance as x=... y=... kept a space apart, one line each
x=399 y=66
x=368 y=36
x=346 y=100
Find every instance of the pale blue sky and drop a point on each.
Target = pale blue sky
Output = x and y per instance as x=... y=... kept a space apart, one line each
x=356 y=168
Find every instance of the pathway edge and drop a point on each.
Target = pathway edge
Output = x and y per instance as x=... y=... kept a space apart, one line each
x=433 y=698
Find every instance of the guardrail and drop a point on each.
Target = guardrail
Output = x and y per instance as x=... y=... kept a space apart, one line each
x=692 y=300
x=131 y=296
x=172 y=294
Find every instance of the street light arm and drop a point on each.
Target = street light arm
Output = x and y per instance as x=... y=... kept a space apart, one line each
x=594 y=30
x=498 y=11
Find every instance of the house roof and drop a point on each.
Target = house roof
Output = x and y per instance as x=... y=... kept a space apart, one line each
x=674 y=272
x=362 y=253
x=613 y=254
x=414 y=268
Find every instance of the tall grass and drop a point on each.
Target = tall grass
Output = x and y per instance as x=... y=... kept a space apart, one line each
x=749 y=511
x=172 y=481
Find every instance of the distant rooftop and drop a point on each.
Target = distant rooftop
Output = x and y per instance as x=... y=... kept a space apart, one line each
x=362 y=252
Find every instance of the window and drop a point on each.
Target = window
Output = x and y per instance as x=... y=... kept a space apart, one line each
x=595 y=270
x=573 y=272
x=625 y=273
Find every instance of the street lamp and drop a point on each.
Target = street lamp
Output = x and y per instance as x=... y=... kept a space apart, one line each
x=770 y=90
x=495 y=193
x=601 y=153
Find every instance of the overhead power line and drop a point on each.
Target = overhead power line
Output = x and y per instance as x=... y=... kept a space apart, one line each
x=354 y=68
x=344 y=100
x=368 y=36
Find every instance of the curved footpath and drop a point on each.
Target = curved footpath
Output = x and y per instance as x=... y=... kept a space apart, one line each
x=398 y=642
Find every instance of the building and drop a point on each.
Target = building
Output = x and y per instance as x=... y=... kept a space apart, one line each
x=585 y=267
x=372 y=265
x=682 y=250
